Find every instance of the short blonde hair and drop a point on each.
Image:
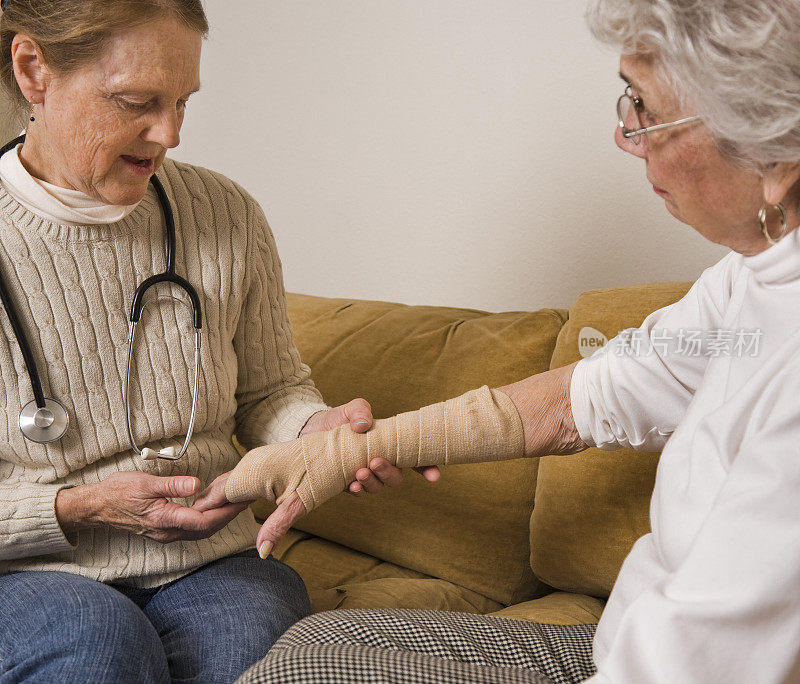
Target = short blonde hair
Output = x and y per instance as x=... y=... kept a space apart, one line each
x=71 y=33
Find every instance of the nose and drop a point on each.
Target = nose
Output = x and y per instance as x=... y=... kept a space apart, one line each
x=627 y=144
x=166 y=130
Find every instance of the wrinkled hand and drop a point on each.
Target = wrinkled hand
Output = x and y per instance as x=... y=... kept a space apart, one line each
x=292 y=508
x=213 y=496
x=381 y=473
x=139 y=503
x=357 y=412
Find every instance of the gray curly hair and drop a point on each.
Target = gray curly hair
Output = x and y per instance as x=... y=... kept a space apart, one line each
x=736 y=62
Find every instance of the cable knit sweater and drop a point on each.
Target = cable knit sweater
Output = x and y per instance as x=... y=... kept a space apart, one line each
x=72 y=286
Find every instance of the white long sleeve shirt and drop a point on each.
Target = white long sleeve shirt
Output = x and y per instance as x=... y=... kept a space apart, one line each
x=712 y=594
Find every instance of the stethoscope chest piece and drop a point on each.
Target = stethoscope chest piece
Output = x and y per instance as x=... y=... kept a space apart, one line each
x=46 y=424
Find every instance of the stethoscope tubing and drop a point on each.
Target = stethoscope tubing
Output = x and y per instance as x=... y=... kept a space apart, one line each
x=13 y=318
x=48 y=421
x=168 y=276
x=164 y=453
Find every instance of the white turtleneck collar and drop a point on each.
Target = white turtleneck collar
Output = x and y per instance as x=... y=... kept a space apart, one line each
x=49 y=201
x=778 y=264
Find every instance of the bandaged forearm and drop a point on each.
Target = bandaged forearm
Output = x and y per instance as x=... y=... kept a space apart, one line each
x=481 y=425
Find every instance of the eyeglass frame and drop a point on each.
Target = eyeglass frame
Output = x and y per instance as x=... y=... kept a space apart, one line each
x=628 y=133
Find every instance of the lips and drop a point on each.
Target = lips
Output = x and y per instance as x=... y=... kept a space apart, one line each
x=139 y=161
x=139 y=165
x=660 y=192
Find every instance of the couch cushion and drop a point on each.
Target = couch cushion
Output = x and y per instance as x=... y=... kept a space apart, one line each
x=323 y=564
x=471 y=527
x=592 y=506
x=558 y=608
x=338 y=577
x=422 y=594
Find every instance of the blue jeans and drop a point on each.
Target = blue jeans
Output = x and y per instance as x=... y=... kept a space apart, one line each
x=208 y=626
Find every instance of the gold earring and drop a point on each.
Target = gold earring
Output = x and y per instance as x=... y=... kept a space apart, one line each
x=762 y=220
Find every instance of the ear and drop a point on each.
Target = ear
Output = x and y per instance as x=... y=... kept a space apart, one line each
x=30 y=69
x=779 y=179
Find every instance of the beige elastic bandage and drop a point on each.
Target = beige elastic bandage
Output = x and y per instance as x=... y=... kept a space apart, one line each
x=481 y=425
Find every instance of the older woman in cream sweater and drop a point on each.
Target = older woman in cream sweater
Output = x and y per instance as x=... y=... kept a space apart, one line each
x=107 y=573
x=711 y=105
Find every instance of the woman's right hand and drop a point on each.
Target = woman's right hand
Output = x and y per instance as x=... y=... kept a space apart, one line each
x=139 y=503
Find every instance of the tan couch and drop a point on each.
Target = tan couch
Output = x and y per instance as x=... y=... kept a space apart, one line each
x=474 y=541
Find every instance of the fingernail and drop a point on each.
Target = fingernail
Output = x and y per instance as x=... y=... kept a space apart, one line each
x=362 y=421
x=265 y=549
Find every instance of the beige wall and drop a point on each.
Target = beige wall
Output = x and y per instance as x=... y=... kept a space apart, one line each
x=453 y=152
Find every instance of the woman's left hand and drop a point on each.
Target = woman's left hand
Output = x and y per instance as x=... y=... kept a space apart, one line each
x=278 y=523
x=292 y=508
x=358 y=413
x=380 y=473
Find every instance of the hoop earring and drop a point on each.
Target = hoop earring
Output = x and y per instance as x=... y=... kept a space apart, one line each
x=762 y=220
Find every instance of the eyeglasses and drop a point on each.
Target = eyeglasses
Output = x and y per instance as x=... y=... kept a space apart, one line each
x=629 y=102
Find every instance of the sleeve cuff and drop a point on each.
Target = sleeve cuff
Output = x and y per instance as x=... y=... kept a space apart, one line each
x=293 y=418
x=305 y=415
x=580 y=404
x=51 y=526
x=34 y=530
x=280 y=420
x=302 y=427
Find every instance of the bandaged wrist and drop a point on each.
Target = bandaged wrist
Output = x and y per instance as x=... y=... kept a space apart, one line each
x=481 y=425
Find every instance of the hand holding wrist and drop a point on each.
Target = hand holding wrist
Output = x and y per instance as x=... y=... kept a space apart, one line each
x=481 y=425
x=358 y=413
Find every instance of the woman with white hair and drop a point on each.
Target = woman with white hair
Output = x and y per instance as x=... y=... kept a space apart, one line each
x=711 y=104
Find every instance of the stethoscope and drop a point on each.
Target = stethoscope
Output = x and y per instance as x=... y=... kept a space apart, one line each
x=44 y=419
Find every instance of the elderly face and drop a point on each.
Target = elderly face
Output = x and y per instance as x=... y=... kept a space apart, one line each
x=701 y=187
x=105 y=128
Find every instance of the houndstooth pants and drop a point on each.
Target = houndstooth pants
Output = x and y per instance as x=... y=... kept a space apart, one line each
x=416 y=646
